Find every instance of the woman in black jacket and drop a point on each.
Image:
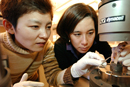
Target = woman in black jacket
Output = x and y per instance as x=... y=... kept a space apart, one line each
x=78 y=31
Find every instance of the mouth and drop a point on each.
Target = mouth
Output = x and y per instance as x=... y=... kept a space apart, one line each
x=84 y=48
x=41 y=44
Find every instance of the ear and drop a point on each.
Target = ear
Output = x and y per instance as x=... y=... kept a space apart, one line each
x=8 y=26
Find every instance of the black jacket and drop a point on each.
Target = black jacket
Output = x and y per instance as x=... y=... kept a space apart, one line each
x=66 y=58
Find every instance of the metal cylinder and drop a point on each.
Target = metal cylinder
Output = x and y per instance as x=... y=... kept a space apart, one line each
x=114 y=20
x=113 y=75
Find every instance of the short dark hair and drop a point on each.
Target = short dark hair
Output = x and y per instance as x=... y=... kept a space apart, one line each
x=72 y=16
x=13 y=9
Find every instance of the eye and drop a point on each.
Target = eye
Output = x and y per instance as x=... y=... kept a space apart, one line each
x=90 y=32
x=48 y=27
x=35 y=27
x=78 y=34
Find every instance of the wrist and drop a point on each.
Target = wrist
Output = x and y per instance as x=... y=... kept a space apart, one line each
x=68 y=78
x=77 y=72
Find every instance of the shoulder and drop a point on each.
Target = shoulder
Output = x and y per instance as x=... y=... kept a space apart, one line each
x=60 y=42
x=49 y=43
x=48 y=46
x=59 y=45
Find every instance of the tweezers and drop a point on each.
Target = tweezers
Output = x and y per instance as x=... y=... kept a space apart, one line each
x=104 y=62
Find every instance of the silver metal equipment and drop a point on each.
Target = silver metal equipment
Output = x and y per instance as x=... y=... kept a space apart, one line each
x=113 y=25
x=114 y=20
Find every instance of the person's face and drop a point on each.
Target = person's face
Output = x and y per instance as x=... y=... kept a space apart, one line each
x=83 y=35
x=33 y=30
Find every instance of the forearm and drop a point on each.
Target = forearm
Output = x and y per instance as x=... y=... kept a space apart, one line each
x=51 y=70
x=65 y=77
x=61 y=77
x=68 y=78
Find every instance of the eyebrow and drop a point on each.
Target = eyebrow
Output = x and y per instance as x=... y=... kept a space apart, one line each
x=91 y=29
x=49 y=23
x=35 y=21
x=79 y=31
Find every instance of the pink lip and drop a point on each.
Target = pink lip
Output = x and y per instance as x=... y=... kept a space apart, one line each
x=41 y=44
x=84 y=49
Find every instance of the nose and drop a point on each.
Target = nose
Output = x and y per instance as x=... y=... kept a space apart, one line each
x=84 y=40
x=43 y=34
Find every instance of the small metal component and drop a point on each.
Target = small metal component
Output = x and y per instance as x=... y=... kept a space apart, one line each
x=102 y=66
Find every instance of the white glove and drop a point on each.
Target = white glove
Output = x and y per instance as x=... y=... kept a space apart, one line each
x=121 y=53
x=125 y=56
x=116 y=51
x=24 y=83
x=86 y=63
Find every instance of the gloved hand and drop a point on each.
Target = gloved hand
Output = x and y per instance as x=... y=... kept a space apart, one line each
x=86 y=63
x=24 y=83
x=121 y=53
x=116 y=51
x=125 y=56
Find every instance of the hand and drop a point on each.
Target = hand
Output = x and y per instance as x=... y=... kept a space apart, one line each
x=86 y=63
x=24 y=83
x=116 y=51
x=125 y=56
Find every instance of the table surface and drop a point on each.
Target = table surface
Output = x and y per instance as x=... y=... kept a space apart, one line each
x=82 y=82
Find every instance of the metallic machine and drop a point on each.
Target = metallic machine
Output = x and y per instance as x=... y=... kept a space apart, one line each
x=114 y=20
x=113 y=25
